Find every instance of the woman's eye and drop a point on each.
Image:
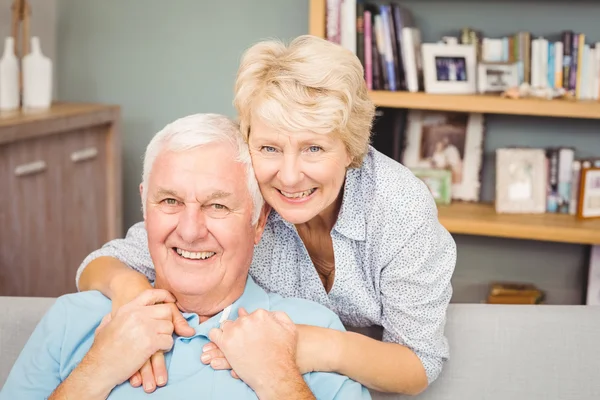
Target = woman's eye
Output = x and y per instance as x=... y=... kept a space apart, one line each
x=314 y=149
x=268 y=149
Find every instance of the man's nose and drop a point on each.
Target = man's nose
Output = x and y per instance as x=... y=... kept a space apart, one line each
x=289 y=173
x=192 y=225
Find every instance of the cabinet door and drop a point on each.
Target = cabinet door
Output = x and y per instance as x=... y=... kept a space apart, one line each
x=31 y=210
x=84 y=175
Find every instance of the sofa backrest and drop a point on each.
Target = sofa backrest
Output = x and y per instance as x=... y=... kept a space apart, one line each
x=497 y=352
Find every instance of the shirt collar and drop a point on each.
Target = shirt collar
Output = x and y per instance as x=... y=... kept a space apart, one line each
x=253 y=298
x=351 y=218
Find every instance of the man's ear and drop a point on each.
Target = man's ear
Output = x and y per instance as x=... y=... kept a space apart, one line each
x=262 y=221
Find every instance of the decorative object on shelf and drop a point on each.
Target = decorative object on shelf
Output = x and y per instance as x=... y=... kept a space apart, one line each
x=9 y=77
x=589 y=195
x=446 y=140
x=525 y=90
x=521 y=180
x=21 y=14
x=496 y=77
x=449 y=69
x=514 y=293
x=593 y=285
x=439 y=182
x=37 y=78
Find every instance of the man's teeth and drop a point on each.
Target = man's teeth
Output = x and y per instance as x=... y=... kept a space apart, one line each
x=298 y=195
x=195 y=255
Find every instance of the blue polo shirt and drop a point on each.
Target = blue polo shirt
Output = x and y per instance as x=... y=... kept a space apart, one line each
x=66 y=333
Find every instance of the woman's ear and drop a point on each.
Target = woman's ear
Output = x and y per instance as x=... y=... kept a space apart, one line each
x=262 y=222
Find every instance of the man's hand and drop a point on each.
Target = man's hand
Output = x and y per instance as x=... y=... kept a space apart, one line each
x=261 y=348
x=137 y=331
x=154 y=371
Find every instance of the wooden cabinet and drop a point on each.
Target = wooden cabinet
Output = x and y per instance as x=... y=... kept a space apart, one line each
x=60 y=194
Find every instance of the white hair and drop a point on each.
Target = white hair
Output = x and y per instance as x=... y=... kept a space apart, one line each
x=197 y=130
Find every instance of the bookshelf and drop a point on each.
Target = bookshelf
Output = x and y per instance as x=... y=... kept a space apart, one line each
x=481 y=219
x=488 y=104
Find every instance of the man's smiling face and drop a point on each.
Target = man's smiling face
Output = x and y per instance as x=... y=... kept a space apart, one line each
x=199 y=221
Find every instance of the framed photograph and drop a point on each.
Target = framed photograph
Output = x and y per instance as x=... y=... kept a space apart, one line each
x=589 y=193
x=449 y=68
x=447 y=140
x=521 y=177
x=497 y=77
x=439 y=182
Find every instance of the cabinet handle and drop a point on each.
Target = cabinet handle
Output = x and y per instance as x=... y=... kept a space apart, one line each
x=30 y=168
x=84 y=154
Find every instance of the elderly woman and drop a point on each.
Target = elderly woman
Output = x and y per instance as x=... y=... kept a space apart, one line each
x=349 y=228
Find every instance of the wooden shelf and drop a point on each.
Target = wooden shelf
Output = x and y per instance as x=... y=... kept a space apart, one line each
x=490 y=104
x=482 y=220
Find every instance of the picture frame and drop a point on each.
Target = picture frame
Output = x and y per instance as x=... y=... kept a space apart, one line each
x=439 y=182
x=449 y=68
x=589 y=193
x=447 y=140
x=521 y=177
x=496 y=77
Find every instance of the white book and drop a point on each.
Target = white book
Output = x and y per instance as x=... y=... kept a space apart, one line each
x=348 y=22
x=411 y=57
x=558 y=64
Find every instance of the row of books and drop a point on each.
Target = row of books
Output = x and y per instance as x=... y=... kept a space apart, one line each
x=383 y=37
x=564 y=177
x=564 y=62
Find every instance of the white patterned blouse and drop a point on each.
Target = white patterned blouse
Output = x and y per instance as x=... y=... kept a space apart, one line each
x=393 y=259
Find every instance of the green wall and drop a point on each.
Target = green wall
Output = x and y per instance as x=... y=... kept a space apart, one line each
x=163 y=59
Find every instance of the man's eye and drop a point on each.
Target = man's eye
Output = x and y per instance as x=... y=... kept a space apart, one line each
x=219 y=207
x=268 y=149
x=170 y=202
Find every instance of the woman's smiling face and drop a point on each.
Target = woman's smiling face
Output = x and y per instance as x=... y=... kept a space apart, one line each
x=300 y=174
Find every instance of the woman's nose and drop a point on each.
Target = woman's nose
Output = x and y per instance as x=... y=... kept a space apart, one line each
x=289 y=173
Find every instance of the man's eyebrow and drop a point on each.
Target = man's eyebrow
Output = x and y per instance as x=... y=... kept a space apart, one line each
x=219 y=194
x=161 y=192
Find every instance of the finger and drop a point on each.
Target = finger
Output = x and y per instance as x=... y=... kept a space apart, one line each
x=282 y=317
x=180 y=324
x=220 y=364
x=159 y=368
x=242 y=312
x=136 y=379
x=216 y=335
x=164 y=326
x=153 y=296
x=209 y=346
x=234 y=374
x=148 y=377
x=210 y=355
x=226 y=323
x=165 y=342
x=160 y=311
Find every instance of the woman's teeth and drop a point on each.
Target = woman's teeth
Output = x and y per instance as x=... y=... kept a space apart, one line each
x=298 y=195
x=195 y=255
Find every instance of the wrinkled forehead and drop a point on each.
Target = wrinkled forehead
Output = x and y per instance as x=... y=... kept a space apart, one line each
x=203 y=170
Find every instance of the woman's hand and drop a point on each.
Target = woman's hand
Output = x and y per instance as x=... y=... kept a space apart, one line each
x=154 y=371
x=315 y=351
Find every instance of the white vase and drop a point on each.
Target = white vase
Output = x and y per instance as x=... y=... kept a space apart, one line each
x=37 y=78
x=9 y=77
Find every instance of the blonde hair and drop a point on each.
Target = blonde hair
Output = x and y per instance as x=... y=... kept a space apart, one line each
x=309 y=85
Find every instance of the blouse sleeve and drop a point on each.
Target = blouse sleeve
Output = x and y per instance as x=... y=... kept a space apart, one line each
x=416 y=288
x=132 y=251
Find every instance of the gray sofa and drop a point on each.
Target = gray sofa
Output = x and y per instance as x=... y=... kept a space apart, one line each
x=497 y=352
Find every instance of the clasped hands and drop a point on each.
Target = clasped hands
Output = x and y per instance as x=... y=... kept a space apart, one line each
x=258 y=347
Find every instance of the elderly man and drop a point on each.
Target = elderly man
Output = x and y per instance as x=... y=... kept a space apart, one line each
x=203 y=213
